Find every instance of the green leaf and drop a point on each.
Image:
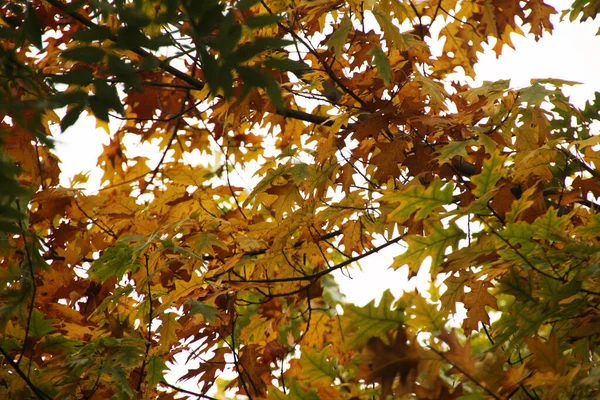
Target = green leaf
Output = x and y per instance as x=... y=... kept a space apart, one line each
x=424 y=316
x=114 y=261
x=134 y=17
x=149 y=63
x=382 y=62
x=79 y=76
x=496 y=89
x=125 y=72
x=71 y=117
x=294 y=392
x=58 y=342
x=551 y=226
x=297 y=172
x=86 y=54
x=9 y=227
x=519 y=235
x=535 y=94
x=99 y=108
x=229 y=35
x=197 y=307
x=490 y=174
x=168 y=330
x=420 y=200
x=131 y=37
x=589 y=230
x=92 y=34
x=155 y=371
x=38 y=325
x=246 y=51
x=337 y=40
x=119 y=378
x=285 y=64
x=436 y=92
x=67 y=98
x=259 y=21
x=433 y=244
x=7 y=33
x=391 y=32
x=168 y=244
x=453 y=149
x=109 y=96
x=274 y=92
x=206 y=242
x=317 y=367
x=210 y=68
x=32 y=27
x=555 y=82
x=363 y=323
x=245 y=4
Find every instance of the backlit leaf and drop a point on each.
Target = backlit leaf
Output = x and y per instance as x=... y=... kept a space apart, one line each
x=363 y=323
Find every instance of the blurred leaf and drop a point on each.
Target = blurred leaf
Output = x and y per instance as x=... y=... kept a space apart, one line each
x=382 y=63
x=86 y=54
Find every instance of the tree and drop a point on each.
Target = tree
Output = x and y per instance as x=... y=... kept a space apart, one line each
x=495 y=187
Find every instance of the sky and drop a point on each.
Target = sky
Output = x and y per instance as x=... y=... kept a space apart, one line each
x=572 y=53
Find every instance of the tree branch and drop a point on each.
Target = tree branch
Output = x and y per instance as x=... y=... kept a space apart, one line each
x=324 y=272
x=38 y=392
x=190 y=80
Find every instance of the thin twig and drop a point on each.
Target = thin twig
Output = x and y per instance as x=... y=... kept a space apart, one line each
x=38 y=392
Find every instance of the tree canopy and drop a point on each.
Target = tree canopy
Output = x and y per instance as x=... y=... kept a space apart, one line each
x=173 y=280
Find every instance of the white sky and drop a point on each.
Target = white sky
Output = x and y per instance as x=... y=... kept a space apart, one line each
x=571 y=53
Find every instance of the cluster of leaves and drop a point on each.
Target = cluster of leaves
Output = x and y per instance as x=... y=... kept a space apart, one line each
x=169 y=266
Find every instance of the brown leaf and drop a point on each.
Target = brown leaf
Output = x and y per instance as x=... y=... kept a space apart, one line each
x=401 y=358
x=459 y=356
x=475 y=302
x=547 y=355
x=387 y=160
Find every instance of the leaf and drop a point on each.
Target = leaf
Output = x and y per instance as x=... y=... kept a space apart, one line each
x=197 y=307
x=79 y=76
x=114 y=261
x=434 y=244
x=454 y=149
x=245 y=4
x=489 y=176
x=86 y=54
x=475 y=302
x=363 y=323
x=297 y=171
x=419 y=200
x=436 y=92
x=285 y=64
x=71 y=117
x=319 y=368
x=547 y=356
x=39 y=326
x=92 y=34
x=382 y=63
x=459 y=356
x=259 y=21
x=32 y=28
x=337 y=40
x=206 y=242
x=156 y=370
x=425 y=315
x=108 y=96
x=168 y=331
x=274 y=92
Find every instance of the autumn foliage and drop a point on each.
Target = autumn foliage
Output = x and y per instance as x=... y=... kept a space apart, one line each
x=173 y=279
